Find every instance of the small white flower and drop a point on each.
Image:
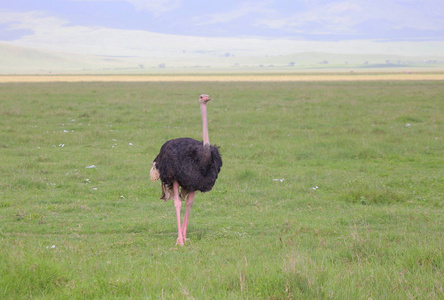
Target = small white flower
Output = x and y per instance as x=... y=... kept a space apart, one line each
x=408 y=125
x=61 y=145
x=91 y=167
x=130 y=144
x=123 y=197
x=65 y=131
x=94 y=189
x=87 y=180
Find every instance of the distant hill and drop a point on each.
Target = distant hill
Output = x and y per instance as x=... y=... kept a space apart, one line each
x=22 y=60
x=331 y=60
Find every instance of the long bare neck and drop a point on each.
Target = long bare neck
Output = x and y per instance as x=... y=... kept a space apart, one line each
x=206 y=139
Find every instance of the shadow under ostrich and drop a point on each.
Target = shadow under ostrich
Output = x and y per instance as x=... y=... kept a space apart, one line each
x=187 y=164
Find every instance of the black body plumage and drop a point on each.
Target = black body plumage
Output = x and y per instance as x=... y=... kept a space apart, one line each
x=188 y=162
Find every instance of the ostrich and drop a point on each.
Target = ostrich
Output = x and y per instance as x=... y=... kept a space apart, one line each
x=188 y=164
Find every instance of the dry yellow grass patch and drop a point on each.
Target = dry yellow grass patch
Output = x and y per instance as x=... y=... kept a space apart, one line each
x=224 y=78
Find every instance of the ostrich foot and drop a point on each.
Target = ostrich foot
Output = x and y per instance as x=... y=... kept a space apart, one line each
x=180 y=241
x=185 y=239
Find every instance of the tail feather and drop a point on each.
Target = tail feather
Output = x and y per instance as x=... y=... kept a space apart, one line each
x=154 y=173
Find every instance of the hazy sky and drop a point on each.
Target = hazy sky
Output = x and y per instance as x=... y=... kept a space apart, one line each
x=62 y=22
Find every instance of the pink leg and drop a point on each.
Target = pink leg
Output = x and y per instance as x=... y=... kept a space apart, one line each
x=178 y=205
x=190 y=200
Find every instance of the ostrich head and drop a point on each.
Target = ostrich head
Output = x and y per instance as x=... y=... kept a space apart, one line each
x=204 y=98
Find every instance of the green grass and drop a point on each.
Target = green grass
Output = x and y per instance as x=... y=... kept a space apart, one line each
x=373 y=227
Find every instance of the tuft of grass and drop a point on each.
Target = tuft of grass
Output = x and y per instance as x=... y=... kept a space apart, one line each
x=366 y=194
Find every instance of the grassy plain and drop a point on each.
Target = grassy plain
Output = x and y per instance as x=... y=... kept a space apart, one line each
x=239 y=76
x=329 y=190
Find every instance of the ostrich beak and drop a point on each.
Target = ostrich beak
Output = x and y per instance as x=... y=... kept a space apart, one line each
x=204 y=98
